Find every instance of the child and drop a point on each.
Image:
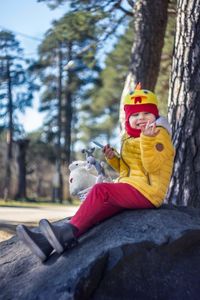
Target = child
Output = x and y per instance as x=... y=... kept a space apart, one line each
x=144 y=165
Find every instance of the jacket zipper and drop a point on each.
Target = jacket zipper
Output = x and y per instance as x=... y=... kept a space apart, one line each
x=148 y=179
x=148 y=176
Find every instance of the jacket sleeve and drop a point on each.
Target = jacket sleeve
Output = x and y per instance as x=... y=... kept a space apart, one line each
x=114 y=163
x=155 y=151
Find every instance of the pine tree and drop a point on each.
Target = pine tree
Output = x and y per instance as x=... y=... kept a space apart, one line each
x=16 y=93
x=71 y=40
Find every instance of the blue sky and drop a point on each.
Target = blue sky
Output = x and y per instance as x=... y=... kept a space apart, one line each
x=31 y=19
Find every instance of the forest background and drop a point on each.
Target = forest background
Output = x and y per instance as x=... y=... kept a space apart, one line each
x=87 y=60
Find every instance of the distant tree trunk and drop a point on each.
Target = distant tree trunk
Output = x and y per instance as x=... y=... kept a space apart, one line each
x=68 y=118
x=68 y=109
x=10 y=111
x=21 y=193
x=184 y=106
x=7 y=192
x=150 y=20
x=59 y=150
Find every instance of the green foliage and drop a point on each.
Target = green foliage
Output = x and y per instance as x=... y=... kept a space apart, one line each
x=77 y=27
x=89 y=23
x=92 y=5
x=72 y=38
x=16 y=84
x=111 y=14
x=103 y=100
x=9 y=46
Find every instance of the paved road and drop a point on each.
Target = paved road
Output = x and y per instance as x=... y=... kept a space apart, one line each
x=10 y=217
x=25 y=214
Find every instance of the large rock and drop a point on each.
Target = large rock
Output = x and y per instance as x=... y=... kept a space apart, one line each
x=143 y=254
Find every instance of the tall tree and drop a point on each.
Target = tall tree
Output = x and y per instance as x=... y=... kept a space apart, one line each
x=69 y=47
x=16 y=92
x=184 y=105
x=50 y=70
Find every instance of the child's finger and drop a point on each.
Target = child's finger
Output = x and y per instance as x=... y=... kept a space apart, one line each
x=148 y=124
x=105 y=148
x=156 y=132
x=109 y=153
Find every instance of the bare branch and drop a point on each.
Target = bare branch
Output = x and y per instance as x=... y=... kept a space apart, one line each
x=127 y=12
x=131 y=3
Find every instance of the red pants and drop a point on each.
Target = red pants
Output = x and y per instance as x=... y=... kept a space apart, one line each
x=105 y=200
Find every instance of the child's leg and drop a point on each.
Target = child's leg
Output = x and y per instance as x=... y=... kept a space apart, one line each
x=106 y=200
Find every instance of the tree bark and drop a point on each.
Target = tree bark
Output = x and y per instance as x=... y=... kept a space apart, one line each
x=150 y=20
x=7 y=192
x=59 y=147
x=68 y=109
x=21 y=193
x=68 y=119
x=184 y=106
x=10 y=111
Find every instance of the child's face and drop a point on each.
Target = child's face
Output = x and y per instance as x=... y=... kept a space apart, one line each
x=140 y=119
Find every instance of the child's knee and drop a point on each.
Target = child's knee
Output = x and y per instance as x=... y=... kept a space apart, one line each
x=98 y=185
x=100 y=189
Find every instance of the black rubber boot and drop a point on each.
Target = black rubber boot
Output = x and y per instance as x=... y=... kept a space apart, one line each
x=60 y=237
x=36 y=242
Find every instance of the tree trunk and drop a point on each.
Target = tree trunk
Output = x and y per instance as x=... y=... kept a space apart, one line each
x=7 y=193
x=184 y=106
x=10 y=111
x=68 y=119
x=59 y=150
x=150 y=20
x=21 y=193
x=68 y=109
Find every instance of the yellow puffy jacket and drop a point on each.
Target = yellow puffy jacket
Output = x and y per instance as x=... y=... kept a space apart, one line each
x=146 y=163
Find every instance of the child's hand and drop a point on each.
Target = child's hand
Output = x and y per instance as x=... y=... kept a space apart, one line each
x=150 y=130
x=108 y=151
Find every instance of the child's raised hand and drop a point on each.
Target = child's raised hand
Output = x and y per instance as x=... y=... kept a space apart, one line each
x=108 y=151
x=150 y=129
